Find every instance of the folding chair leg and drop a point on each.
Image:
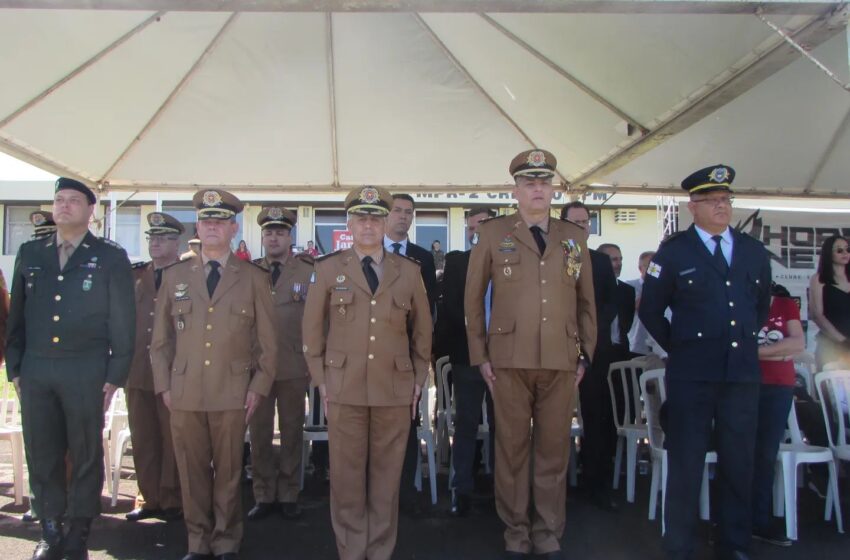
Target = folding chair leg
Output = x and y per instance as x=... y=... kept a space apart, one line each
x=631 y=466
x=618 y=461
x=778 y=490
x=653 y=489
x=663 y=496
x=17 y=442
x=704 y=506
x=432 y=470
x=572 y=468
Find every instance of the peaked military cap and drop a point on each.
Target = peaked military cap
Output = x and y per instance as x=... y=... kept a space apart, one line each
x=369 y=200
x=162 y=224
x=64 y=183
x=533 y=163
x=276 y=216
x=42 y=223
x=216 y=204
x=714 y=178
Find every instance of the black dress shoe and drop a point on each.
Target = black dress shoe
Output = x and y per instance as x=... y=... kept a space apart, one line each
x=461 y=504
x=228 y=556
x=50 y=545
x=76 y=542
x=771 y=535
x=290 y=510
x=260 y=510
x=171 y=514
x=143 y=513
x=29 y=517
x=198 y=556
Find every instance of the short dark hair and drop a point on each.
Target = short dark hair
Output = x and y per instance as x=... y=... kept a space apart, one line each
x=481 y=210
x=405 y=196
x=574 y=204
x=826 y=274
x=608 y=246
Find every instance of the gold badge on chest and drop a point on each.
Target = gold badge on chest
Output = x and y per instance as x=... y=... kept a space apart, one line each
x=572 y=258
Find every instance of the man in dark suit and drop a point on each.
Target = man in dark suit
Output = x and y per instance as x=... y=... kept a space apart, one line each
x=597 y=448
x=469 y=387
x=625 y=300
x=397 y=241
x=717 y=283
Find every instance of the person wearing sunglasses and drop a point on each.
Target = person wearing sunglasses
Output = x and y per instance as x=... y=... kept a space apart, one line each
x=829 y=302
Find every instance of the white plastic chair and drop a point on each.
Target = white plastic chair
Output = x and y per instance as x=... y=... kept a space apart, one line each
x=425 y=433
x=791 y=456
x=442 y=394
x=631 y=428
x=314 y=430
x=654 y=394
x=10 y=430
x=116 y=437
x=806 y=364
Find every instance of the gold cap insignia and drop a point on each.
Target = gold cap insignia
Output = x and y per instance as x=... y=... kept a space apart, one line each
x=719 y=175
x=536 y=158
x=157 y=219
x=275 y=213
x=212 y=198
x=369 y=195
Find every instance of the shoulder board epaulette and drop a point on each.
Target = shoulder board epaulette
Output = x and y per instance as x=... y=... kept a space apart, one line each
x=671 y=237
x=306 y=257
x=485 y=220
x=258 y=261
x=411 y=259
x=323 y=257
x=111 y=243
x=140 y=265
x=174 y=264
x=258 y=265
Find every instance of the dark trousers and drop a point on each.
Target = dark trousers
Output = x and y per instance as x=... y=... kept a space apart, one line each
x=600 y=435
x=469 y=392
x=691 y=408
x=62 y=412
x=412 y=456
x=774 y=405
x=319 y=453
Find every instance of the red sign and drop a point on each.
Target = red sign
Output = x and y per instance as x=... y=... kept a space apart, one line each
x=342 y=239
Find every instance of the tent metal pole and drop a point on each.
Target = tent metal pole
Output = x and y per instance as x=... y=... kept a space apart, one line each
x=828 y=152
x=560 y=71
x=478 y=86
x=332 y=98
x=814 y=31
x=171 y=96
x=81 y=68
x=805 y=53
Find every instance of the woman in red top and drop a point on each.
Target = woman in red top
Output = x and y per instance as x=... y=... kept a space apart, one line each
x=242 y=252
x=779 y=340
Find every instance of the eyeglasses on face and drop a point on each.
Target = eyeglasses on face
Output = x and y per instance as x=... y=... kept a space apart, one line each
x=719 y=201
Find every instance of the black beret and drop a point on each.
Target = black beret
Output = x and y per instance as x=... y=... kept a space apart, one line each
x=63 y=183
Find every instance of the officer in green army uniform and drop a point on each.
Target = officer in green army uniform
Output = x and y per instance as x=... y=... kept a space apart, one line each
x=70 y=340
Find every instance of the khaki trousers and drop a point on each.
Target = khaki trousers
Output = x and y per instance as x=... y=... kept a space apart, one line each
x=547 y=397
x=282 y=481
x=208 y=449
x=153 y=450
x=367 y=446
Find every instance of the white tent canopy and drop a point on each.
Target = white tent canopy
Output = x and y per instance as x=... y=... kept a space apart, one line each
x=270 y=95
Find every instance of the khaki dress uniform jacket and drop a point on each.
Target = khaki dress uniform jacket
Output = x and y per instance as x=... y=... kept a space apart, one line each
x=542 y=319
x=369 y=350
x=150 y=420
x=282 y=482
x=203 y=351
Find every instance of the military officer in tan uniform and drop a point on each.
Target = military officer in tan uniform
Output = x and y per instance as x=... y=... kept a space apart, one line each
x=369 y=371
x=150 y=422
x=213 y=326
x=542 y=325
x=289 y=278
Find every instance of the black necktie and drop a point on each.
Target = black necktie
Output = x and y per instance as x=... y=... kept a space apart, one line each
x=275 y=272
x=371 y=275
x=213 y=277
x=718 y=255
x=157 y=278
x=538 y=238
x=396 y=248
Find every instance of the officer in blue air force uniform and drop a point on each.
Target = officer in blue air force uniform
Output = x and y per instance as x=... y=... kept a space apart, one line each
x=716 y=281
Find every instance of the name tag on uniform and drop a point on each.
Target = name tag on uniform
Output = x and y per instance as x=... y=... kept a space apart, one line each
x=686 y=272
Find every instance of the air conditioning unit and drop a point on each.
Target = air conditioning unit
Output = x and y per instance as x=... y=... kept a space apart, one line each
x=625 y=216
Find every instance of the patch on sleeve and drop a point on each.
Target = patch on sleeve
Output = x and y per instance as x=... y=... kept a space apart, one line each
x=654 y=269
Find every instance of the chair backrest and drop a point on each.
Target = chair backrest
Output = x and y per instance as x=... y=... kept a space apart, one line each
x=9 y=409
x=315 y=416
x=424 y=407
x=624 y=376
x=794 y=427
x=806 y=364
x=833 y=390
x=445 y=390
x=654 y=394
x=439 y=382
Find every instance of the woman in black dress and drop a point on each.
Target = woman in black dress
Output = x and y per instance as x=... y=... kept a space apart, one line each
x=829 y=304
